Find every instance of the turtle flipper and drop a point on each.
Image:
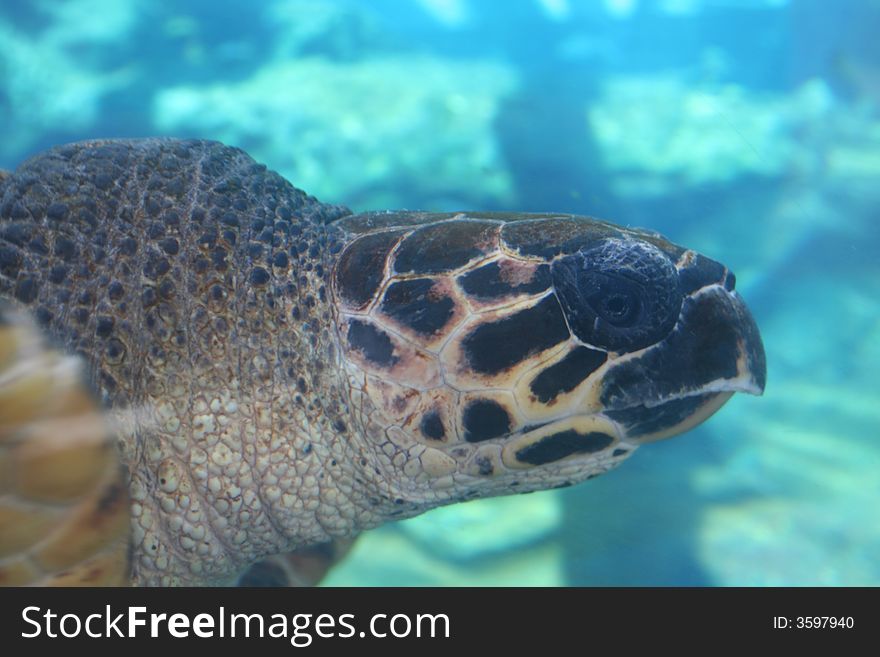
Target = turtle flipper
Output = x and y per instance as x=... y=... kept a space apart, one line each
x=64 y=512
x=304 y=567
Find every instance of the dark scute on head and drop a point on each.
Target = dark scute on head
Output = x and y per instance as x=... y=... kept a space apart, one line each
x=619 y=295
x=362 y=266
x=441 y=247
x=548 y=237
x=493 y=347
x=701 y=349
x=485 y=419
x=484 y=465
x=642 y=420
x=372 y=342
x=432 y=427
x=486 y=282
x=411 y=304
x=567 y=374
x=673 y=251
x=565 y=443
x=701 y=272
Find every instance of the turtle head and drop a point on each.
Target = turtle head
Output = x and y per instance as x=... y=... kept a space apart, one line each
x=508 y=353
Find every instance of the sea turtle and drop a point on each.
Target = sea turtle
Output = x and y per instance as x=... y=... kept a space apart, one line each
x=279 y=373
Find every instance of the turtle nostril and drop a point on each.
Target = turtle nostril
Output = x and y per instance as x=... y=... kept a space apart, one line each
x=730 y=281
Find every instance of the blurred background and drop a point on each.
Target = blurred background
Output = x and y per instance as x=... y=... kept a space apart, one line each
x=748 y=130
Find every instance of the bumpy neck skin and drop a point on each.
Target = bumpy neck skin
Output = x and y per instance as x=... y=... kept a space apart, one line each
x=252 y=469
x=195 y=283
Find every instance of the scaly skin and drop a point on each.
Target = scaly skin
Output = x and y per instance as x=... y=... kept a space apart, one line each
x=194 y=282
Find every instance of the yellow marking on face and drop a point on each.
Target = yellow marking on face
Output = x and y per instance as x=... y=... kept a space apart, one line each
x=582 y=424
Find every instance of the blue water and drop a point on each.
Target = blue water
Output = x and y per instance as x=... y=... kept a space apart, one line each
x=747 y=130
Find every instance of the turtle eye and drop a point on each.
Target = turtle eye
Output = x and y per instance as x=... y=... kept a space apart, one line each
x=616 y=300
x=619 y=294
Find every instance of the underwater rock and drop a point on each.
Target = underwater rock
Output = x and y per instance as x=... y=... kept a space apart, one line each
x=43 y=90
x=386 y=557
x=365 y=132
x=661 y=135
x=488 y=542
x=797 y=504
x=483 y=527
x=789 y=504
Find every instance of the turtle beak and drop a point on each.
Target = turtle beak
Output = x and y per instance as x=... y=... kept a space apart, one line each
x=751 y=362
x=714 y=351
